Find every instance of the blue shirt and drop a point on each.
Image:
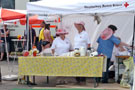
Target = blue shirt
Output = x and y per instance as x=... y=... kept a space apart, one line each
x=106 y=46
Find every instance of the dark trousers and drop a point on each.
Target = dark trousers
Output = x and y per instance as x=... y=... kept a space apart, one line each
x=106 y=74
x=80 y=79
x=39 y=45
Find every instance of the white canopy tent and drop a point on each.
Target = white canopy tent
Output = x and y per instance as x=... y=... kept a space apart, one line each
x=117 y=12
x=79 y=6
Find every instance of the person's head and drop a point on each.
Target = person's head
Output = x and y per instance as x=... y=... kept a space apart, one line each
x=5 y=26
x=47 y=26
x=42 y=25
x=106 y=34
x=113 y=27
x=80 y=26
x=30 y=27
x=61 y=33
x=56 y=28
x=62 y=36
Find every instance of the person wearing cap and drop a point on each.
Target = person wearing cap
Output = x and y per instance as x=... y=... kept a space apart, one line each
x=61 y=44
x=4 y=31
x=81 y=39
x=106 y=42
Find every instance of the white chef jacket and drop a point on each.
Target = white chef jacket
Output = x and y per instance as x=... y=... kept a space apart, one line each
x=81 y=40
x=61 y=46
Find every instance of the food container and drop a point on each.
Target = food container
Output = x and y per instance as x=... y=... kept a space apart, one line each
x=76 y=53
x=82 y=51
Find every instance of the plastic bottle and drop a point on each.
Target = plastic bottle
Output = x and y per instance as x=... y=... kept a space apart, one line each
x=88 y=51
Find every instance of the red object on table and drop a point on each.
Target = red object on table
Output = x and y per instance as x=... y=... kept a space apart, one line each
x=26 y=54
x=35 y=53
x=19 y=37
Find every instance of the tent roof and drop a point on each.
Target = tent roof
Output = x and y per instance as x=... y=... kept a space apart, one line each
x=11 y=14
x=32 y=20
x=79 y=6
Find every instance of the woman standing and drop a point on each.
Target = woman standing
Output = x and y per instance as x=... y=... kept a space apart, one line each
x=61 y=44
x=81 y=40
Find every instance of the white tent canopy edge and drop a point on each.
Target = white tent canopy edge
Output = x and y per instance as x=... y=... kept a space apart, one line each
x=66 y=7
x=79 y=6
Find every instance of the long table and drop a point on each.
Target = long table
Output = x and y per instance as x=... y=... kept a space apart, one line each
x=61 y=66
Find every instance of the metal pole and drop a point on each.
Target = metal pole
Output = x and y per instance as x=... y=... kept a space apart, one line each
x=6 y=48
x=27 y=30
x=133 y=37
x=31 y=37
x=133 y=88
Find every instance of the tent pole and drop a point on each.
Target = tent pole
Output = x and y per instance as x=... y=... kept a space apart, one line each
x=31 y=37
x=6 y=47
x=27 y=30
x=133 y=37
x=9 y=76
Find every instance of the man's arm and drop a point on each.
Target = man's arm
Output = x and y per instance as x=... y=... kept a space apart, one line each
x=88 y=41
x=88 y=46
x=24 y=40
x=53 y=46
x=124 y=44
x=34 y=40
x=115 y=40
x=7 y=32
x=53 y=51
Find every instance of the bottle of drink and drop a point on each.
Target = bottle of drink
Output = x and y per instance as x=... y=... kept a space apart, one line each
x=88 y=51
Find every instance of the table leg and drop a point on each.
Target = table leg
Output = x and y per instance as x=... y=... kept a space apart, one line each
x=28 y=81
x=47 y=80
x=118 y=72
x=95 y=82
x=33 y=79
x=0 y=75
